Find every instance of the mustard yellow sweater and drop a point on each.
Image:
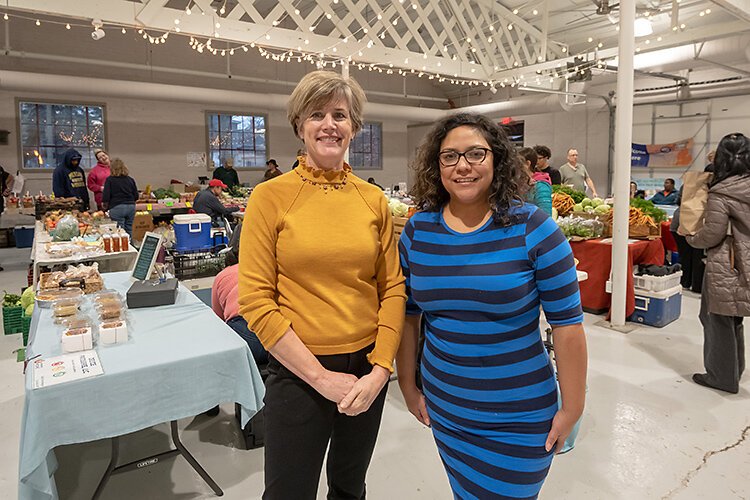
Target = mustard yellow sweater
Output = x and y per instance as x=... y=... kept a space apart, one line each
x=318 y=253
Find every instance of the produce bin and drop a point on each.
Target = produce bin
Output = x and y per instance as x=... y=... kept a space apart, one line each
x=24 y=236
x=192 y=265
x=657 y=308
x=656 y=283
x=12 y=321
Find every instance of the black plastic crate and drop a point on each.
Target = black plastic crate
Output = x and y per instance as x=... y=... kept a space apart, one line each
x=42 y=207
x=199 y=264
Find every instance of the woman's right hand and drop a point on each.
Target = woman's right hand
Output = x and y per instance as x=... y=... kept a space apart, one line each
x=334 y=385
x=415 y=402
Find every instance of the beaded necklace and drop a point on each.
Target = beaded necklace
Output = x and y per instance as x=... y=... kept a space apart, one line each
x=327 y=180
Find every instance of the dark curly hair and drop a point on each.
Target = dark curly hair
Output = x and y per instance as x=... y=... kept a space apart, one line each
x=510 y=180
x=732 y=157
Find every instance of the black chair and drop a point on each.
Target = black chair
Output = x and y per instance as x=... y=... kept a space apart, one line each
x=254 y=432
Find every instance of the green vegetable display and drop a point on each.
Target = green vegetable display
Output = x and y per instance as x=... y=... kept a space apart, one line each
x=162 y=193
x=577 y=196
x=27 y=298
x=11 y=300
x=648 y=208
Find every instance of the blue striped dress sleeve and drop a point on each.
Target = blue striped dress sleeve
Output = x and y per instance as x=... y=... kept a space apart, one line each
x=404 y=244
x=554 y=270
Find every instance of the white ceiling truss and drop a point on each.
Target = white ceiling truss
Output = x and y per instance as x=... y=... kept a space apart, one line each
x=471 y=42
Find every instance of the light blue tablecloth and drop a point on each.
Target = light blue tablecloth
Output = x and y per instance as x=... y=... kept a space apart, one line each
x=180 y=361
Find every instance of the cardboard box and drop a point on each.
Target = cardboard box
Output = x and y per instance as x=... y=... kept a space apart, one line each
x=142 y=224
x=177 y=187
x=193 y=189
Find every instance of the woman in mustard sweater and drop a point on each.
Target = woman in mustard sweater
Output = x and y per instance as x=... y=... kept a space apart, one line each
x=321 y=285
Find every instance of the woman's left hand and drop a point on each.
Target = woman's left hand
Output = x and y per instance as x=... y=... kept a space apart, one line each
x=562 y=425
x=364 y=392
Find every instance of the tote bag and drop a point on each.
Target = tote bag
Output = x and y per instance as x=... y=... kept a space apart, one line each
x=694 y=198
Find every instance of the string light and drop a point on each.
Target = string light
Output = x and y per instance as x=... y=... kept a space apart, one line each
x=5 y=16
x=38 y=23
x=67 y=26
x=124 y=31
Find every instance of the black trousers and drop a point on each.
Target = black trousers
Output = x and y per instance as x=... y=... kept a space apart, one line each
x=691 y=260
x=723 y=348
x=301 y=424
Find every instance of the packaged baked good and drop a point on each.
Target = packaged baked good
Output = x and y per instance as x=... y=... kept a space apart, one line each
x=109 y=311
x=45 y=298
x=65 y=307
x=113 y=332
x=77 y=339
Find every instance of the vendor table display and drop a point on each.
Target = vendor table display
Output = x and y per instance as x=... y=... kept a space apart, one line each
x=179 y=361
x=46 y=253
x=667 y=238
x=595 y=258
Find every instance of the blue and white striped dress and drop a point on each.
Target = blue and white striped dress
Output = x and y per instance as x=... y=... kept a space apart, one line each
x=487 y=379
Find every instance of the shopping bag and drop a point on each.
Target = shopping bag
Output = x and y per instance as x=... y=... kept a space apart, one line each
x=694 y=198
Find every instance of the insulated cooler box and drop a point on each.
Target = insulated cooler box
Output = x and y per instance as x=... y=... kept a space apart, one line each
x=657 y=308
x=192 y=232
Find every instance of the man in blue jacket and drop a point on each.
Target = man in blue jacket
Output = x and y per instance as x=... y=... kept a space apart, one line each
x=69 y=180
x=668 y=196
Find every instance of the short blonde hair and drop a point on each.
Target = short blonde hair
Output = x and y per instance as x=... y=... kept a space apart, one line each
x=317 y=89
x=117 y=168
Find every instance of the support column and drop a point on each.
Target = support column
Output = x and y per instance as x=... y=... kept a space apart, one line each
x=623 y=151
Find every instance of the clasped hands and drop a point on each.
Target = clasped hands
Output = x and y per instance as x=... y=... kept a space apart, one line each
x=351 y=394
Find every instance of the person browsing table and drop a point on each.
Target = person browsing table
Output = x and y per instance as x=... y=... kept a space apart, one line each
x=119 y=196
x=207 y=201
x=321 y=286
x=576 y=175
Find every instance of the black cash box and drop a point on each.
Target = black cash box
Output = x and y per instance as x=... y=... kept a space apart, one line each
x=152 y=293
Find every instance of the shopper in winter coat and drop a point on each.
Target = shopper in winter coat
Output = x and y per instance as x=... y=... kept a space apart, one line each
x=69 y=180
x=98 y=175
x=540 y=193
x=725 y=300
x=119 y=196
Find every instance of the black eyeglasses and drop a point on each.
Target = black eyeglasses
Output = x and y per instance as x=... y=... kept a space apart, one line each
x=473 y=156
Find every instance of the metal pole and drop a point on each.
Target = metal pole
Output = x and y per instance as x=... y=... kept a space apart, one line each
x=623 y=150
x=345 y=74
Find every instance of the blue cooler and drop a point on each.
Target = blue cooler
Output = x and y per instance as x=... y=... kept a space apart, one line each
x=657 y=308
x=192 y=232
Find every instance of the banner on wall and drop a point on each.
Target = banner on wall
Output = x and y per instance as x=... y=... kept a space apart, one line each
x=675 y=154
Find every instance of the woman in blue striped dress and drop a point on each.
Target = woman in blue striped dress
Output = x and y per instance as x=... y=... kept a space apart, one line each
x=478 y=263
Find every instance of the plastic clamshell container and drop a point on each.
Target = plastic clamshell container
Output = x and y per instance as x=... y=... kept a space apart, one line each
x=45 y=298
x=64 y=308
x=110 y=311
x=77 y=339
x=113 y=332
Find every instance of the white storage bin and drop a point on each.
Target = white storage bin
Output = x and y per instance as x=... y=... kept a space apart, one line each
x=657 y=283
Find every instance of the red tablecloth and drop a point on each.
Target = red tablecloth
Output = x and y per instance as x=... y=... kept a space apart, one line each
x=595 y=257
x=666 y=237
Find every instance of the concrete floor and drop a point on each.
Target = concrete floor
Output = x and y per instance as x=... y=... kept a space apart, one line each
x=648 y=432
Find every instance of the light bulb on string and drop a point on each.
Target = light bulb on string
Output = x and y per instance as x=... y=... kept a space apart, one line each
x=38 y=23
x=67 y=26
x=5 y=16
x=124 y=31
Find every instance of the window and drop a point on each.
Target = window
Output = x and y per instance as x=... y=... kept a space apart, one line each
x=49 y=129
x=365 y=151
x=240 y=137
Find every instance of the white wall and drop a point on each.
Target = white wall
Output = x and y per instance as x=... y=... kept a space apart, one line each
x=153 y=137
x=583 y=128
x=667 y=123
